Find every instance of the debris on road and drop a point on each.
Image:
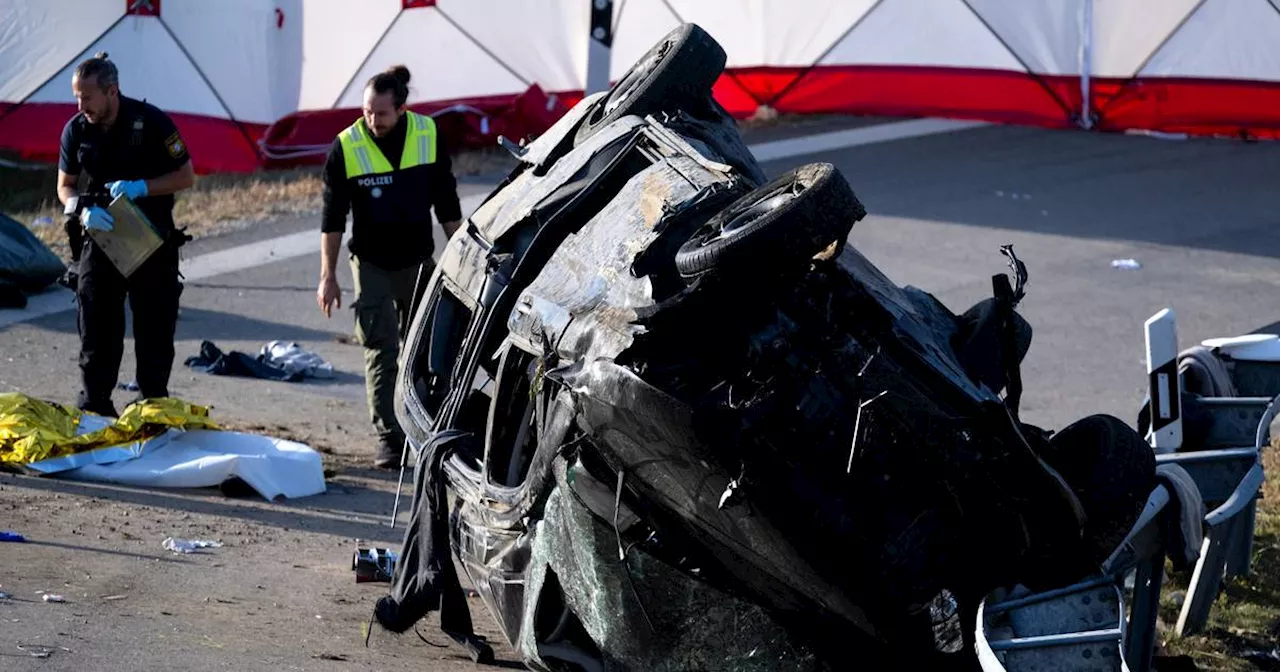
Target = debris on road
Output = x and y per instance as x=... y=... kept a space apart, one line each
x=1126 y=264
x=374 y=564
x=113 y=598
x=50 y=597
x=293 y=359
x=214 y=361
x=9 y=535
x=36 y=650
x=189 y=545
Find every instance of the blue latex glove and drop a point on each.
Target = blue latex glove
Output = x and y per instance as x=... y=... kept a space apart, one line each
x=134 y=189
x=97 y=219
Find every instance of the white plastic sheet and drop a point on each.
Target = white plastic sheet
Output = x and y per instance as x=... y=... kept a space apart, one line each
x=206 y=458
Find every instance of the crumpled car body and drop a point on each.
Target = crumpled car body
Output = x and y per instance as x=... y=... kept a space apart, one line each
x=686 y=426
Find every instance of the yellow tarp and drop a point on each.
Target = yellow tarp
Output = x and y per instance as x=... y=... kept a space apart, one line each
x=32 y=430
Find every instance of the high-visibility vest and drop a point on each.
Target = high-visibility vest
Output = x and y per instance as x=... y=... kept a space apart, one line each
x=362 y=156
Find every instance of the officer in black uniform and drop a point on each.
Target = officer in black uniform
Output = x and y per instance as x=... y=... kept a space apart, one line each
x=124 y=147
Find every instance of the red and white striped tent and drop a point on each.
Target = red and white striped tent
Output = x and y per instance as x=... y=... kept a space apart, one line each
x=252 y=82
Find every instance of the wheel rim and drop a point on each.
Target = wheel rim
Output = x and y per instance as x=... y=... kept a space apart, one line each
x=630 y=82
x=766 y=204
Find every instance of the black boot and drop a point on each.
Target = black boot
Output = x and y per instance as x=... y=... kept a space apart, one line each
x=388 y=456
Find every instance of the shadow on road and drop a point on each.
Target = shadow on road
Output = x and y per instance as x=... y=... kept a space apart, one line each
x=1212 y=194
x=347 y=510
x=90 y=549
x=253 y=288
x=209 y=325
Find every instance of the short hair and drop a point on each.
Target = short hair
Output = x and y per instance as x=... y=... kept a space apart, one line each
x=100 y=68
x=394 y=79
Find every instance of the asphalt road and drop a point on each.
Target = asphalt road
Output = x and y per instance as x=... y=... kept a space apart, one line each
x=1198 y=216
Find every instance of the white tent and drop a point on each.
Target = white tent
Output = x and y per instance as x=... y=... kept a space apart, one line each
x=228 y=70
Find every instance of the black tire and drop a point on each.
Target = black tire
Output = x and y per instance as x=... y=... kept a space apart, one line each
x=677 y=72
x=780 y=225
x=1112 y=470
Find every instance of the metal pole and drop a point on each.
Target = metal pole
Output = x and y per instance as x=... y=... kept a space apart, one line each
x=404 y=459
x=599 y=46
x=1086 y=64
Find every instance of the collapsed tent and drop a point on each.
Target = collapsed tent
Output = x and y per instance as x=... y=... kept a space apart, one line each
x=162 y=443
x=269 y=82
x=26 y=264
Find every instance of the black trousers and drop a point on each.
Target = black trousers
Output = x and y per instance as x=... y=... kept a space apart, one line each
x=153 y=292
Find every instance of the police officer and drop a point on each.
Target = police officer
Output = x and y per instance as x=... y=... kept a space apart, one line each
x=389 y=170
x=124 y=147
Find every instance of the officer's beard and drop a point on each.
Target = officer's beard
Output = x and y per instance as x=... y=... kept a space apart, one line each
x=105 y=115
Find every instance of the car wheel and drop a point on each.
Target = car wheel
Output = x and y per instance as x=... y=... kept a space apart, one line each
x=781 y=224
x=678 y=71
x=1112 y=470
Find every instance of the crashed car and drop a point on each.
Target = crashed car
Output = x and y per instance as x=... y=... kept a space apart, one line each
x=665 y=417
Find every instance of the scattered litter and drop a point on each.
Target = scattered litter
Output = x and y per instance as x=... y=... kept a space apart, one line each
x=36 y=650
x=4 y=596
x=50 y=597
x=42 y=221
x=330 y=656
x=112 y=598
x=8 y=535
x=189 y=545
x=319 y=617
x=1161 y=135
x=292 y=358
x=1126 y=264
x=131 y=386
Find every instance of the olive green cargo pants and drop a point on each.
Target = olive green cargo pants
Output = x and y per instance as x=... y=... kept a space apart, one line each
x=382 y=302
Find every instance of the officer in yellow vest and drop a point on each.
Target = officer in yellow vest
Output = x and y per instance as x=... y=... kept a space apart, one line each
x=389 y=170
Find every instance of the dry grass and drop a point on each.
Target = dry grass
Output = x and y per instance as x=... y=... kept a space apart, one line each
x=1246 y=617
x=217 y=204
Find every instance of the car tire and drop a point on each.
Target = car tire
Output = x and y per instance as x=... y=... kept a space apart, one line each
x=779 y=225
x=1112 y=470
x=676 y=72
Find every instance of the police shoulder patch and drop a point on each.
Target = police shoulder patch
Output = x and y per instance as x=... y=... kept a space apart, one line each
x=175 y=145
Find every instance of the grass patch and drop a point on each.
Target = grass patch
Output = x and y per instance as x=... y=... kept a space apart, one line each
x=216 y=204
x=1244 y=625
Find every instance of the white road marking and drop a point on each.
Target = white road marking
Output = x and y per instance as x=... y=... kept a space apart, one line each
x=304 y=243
x=856 y=137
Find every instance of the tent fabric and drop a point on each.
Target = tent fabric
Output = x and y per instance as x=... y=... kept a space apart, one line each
x=26 y=264
x=257 y=83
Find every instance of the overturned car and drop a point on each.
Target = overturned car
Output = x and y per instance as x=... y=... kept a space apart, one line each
x=666 y=418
